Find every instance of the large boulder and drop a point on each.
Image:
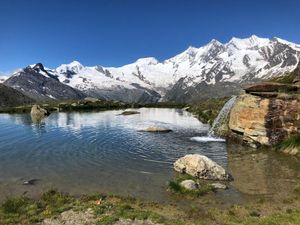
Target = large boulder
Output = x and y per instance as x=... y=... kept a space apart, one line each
x=265 y=121
x=201 y=167
x=38 y=113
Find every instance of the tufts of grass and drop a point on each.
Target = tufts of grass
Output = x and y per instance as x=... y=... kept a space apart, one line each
x=55 y=202
x=15 y=205
x=297 y=189
x=285 y=79
x=291 y=145
x=175 y=187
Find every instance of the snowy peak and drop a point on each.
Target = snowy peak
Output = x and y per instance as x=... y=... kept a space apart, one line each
x=247 y=43
x=147 y=61
x=3 y=78
x=73 y=67
x=214 y=64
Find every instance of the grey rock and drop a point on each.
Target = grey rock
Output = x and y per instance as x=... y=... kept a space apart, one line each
x=219 y=186
x=189 y=184
x=122 y=221
x=38 y=113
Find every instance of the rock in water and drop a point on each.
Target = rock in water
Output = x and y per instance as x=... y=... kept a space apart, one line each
x=128 y=113
x=189 y=184
x=157 y=130
x=219 y=186
x=202 y=167
x=38 y=113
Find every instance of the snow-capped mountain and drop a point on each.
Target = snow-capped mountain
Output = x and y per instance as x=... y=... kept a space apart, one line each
x=40 y=84
x=213 y=70
x=3 y=78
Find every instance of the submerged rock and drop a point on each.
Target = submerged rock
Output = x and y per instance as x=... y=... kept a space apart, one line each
x=38 y=113
x=30 y=182
x=219 y=186
x=189 y=184
x=157 y=130
x=201 y=167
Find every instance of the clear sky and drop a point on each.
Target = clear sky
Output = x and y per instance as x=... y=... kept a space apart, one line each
x=117 y=32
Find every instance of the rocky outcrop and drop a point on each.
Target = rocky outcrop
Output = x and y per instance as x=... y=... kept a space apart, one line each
x=38 y=113
x=201 y=167
x=265 y=120
x=267 y=87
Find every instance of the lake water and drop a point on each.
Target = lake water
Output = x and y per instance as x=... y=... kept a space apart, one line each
x=84 y=153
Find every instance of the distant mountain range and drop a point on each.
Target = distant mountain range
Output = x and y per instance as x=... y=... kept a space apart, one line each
x=214 y=70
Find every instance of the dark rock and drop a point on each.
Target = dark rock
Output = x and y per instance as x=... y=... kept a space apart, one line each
x=127 y=113
x=270 y=87
x=30 y=182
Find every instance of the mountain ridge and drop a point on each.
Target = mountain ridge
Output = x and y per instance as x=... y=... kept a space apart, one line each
x=192 y=72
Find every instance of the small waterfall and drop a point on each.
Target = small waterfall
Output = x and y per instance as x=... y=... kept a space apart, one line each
x=222 y=116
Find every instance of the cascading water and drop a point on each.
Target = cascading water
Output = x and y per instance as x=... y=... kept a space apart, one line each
x=222 y=116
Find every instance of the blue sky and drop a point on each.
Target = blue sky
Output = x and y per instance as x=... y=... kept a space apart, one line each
x=117 y=32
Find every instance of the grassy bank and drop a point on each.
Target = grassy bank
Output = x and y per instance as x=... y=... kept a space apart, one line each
x=207 y=110
x=106 y=210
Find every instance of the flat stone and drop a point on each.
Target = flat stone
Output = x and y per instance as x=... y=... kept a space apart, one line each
x=122 y=221
x=219 y=186
x=270 y=87
x=128 y=113
x=265 y=94
x=157 y=130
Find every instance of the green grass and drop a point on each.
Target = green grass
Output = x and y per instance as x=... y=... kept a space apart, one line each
x=297 y=189
x=291 y=143
x=175 y=187
x=207 y=110
x=22 y=210
x=284 y=79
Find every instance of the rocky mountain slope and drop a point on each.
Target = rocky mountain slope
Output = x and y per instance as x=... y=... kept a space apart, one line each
x=214 y=70
x=37 y=83
x=10 y=97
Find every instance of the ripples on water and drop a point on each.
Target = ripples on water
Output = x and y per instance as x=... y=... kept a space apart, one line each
x=101 y=151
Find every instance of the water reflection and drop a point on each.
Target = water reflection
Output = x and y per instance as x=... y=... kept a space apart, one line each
x=262 y=173
x=104 y=152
